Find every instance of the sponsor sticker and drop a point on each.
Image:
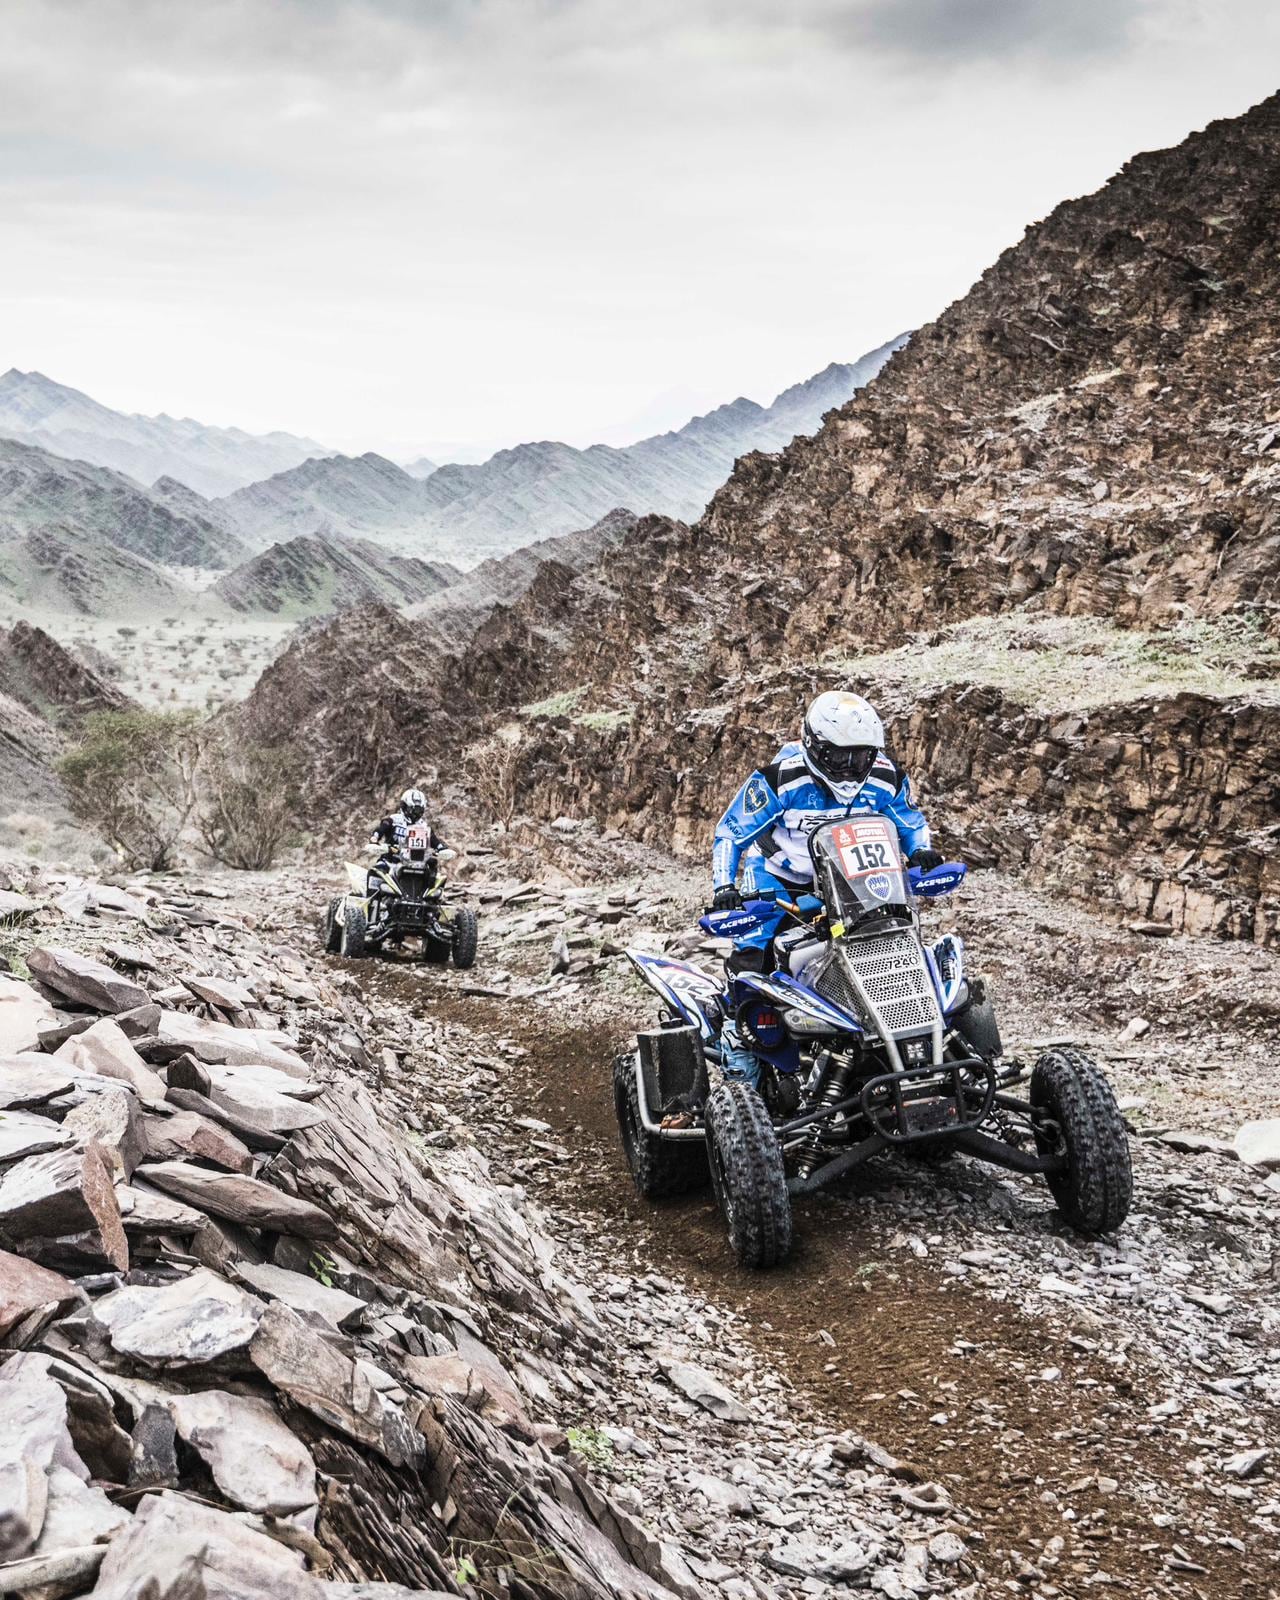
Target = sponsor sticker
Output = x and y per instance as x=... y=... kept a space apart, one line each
x=879 y=885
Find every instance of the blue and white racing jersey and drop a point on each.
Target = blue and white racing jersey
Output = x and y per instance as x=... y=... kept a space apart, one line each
x=779 y=806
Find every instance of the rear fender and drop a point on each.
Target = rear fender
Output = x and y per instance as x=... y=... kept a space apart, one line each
x=688 y=990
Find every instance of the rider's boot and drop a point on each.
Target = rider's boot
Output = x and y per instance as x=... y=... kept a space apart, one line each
x=738 y=1064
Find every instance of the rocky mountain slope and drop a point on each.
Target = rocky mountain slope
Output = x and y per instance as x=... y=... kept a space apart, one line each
x=45 y=691
x=1088 y=435
x=211 y=460
x=466 y=513
x=316 y=576
x=39 y=491
x=56 y=570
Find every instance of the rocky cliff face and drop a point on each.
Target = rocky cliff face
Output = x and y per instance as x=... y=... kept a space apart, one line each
x=1089 y=434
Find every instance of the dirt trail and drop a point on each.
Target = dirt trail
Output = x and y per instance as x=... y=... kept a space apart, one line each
x=913 y=1310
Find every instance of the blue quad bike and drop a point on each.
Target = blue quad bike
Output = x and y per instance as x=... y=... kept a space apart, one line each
x=866 y=1039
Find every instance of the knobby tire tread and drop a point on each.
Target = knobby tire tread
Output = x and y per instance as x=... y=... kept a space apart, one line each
x=739 y=1126
x=1095 y=1190
x=660 y=1168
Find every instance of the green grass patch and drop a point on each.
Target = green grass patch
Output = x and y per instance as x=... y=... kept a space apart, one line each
x=1054 y=663
x=556 y=705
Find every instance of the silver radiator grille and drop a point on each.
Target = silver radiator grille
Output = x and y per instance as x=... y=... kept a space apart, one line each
x=892 y=970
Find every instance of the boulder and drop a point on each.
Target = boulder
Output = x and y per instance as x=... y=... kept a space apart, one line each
x=300 y=1363
x=84 y=981
x=15 y=907
x=171 y=1537
x=28 y=1081
x=146 y=1211
x=22 y=1015
x=178 y=1032
x=254 y=1134
x=61 y=1208
x=304 y=1294
x=1258 y=1143
x=106 y=1049
x=187 y=1136
x=76 y=1515
x=33 y=1438
x=26 y=1287
x=221 y=992
x=24 y=1133
x=198 y=1318
x=114 y=1120
x=480 y=1389
x=99 y=1441
x=248 y=1201
x=255 y=1460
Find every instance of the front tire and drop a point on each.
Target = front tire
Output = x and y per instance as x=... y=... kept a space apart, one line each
x=353 y=932
x=1094 y=1189
x=330 y=927
x=659 y=1167
x=747 y=1176
x=465 y=937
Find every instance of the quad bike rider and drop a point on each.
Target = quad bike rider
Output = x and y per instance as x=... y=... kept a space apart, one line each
x=400 y=897
x=837 y=768
x=839 y=1028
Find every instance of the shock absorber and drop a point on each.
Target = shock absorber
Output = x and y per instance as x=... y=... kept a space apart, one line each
x=830 y=1078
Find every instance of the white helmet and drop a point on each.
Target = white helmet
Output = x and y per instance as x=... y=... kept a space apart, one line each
x=842 y=736
x=413 y=805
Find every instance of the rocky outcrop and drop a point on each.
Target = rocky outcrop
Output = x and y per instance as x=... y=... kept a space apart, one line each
x=44 y=691
x=327 y=1368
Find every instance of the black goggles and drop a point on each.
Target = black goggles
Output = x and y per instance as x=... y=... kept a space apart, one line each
x=842 y=763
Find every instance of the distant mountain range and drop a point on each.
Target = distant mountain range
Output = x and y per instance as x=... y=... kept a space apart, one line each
x=468 y=513
x=213 y=461
x=326 y=531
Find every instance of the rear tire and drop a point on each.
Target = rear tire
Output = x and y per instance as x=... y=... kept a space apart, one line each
x=1095 y=1188
x=353 y=932
x=747 y=1176
x=660 y=1167
x=466 y=935
x=330 y=928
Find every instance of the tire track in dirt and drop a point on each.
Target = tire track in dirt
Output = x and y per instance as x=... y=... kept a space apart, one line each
x=1036 y=1424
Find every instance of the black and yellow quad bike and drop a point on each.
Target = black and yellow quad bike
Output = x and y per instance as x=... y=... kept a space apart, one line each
x=399 y=902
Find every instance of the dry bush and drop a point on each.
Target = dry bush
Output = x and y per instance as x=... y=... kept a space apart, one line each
x=492 y=771
x=250 y=805
x=134 y=777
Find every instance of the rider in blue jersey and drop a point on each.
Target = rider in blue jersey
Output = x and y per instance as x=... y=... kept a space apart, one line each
x=837 y=768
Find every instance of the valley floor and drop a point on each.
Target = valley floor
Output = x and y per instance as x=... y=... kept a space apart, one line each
x=1086 y=1416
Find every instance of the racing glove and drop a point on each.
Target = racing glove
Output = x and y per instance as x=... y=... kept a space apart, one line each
x=726 y=898
x=925 y=859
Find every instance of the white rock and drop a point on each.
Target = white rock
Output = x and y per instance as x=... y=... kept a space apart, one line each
x=1246 y=1463
x=22 y=1014
x=704 y=1390
x=255 y=1460
x=1258 y=1143
x=1052 y=1284
x=947 y=1548
x=196 y=1319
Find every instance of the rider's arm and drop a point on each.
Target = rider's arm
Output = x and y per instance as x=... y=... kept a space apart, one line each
x=384 y=833
x=913 y=829
x=751 y=813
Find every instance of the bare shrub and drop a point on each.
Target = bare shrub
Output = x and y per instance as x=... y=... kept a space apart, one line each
x=133 y=776
x=492 y=770
x=250 y=804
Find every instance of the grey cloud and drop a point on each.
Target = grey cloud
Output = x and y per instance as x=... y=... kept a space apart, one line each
x=967 y=31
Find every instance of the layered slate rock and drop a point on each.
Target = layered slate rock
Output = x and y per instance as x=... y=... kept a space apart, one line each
x=84 y=981
x=61 y=1209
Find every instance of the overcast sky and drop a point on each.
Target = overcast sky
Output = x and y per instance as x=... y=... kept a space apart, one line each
x=413 y=224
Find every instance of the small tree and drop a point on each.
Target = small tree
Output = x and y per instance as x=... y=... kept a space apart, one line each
x=250 y=804
x=134 y=777
x=492 y=769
